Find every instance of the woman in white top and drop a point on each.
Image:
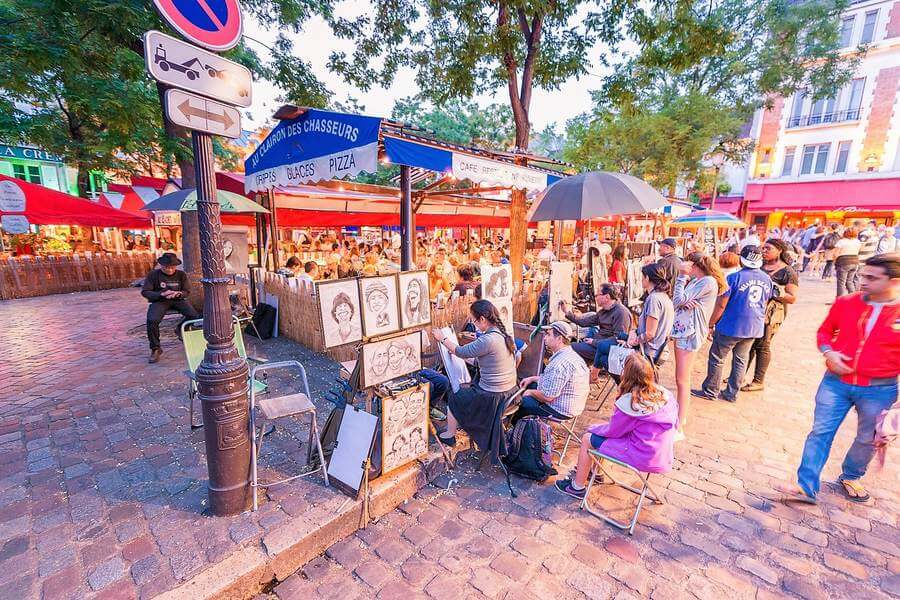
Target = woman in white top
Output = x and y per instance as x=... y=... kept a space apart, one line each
x=700 y=281
x=846 y=261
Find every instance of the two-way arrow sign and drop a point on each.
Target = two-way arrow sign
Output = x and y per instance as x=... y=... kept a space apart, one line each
x=202 y=114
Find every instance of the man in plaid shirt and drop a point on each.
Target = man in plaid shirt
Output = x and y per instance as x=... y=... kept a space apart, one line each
x=562 y=389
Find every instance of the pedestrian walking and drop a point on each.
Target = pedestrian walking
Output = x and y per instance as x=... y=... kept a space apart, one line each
x=860 y=341
x=868 y=247
x=166 y=288
x=669 y=262
x=738 y=319
x=828 y=246
x=846 y=262
x=776 y=264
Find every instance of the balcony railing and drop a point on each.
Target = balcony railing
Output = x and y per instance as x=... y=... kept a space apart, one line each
x=823 y=118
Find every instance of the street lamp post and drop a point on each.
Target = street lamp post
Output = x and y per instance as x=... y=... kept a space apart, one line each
x=222 y=376
x=718 y=159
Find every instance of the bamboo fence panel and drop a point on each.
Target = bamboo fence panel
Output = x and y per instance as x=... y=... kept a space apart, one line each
x=26 y=277
x=298 y=314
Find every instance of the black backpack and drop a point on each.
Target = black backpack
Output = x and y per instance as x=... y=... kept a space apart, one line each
x=263 y=322
x=530 y=449
x=831 y=241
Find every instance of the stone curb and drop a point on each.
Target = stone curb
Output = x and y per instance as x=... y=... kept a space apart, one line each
x=247 y=572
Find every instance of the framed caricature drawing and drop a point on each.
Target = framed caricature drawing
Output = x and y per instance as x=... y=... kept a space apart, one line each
x=496 y=282
x=380 y=307
x=415 y=308
x=404 y=427
x=390 y=358
x=339 y=310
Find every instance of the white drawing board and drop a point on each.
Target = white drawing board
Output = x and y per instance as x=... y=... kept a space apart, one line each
x=454 y=366
x=354 y=445
x=560 y=288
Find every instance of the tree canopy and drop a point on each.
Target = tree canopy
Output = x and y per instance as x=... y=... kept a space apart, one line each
x=72 y=80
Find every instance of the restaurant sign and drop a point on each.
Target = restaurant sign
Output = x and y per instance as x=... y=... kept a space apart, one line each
x=316 y=145
x=28 y=154
x=167 y=218
x=12 y=198
x=14 y=224
x=493 y=172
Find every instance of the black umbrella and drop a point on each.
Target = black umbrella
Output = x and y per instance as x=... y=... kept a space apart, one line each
x=595 y=194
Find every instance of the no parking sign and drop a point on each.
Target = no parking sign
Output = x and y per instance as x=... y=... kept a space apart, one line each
x=213 y=24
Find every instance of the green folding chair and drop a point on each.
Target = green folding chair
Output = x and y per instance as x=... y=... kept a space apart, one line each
x=194 y=349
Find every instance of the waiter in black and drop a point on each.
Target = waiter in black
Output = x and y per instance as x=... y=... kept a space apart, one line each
x=166 y=289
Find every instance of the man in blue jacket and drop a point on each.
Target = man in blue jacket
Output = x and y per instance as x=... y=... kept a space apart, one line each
x=738 y=319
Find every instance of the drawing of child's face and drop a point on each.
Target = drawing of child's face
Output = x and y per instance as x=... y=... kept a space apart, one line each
x=380 y=360
x=377 y=301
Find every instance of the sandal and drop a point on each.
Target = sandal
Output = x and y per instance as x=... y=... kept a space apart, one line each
x=853 y=490
x=795 y=494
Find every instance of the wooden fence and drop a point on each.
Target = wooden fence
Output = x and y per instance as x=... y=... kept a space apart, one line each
x=298 y=314
x=24 y=277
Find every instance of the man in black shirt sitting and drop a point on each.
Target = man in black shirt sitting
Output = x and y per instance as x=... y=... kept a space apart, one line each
x=166 y=289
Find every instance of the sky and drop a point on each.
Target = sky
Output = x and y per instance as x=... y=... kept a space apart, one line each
x=316 y=42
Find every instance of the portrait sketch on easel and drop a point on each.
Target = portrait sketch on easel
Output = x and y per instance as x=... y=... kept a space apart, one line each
x=339 y=311
x=390 y=358
x=560 y=288
x=505 y=308
x=404 y=427
x=496 y=282
x=415 y=307
x=379 y=305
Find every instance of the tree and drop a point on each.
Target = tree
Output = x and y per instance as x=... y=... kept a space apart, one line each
x=460 y=121
x=460 y=48
x=72 y=80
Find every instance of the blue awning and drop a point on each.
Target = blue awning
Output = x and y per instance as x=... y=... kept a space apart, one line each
x=314 y=146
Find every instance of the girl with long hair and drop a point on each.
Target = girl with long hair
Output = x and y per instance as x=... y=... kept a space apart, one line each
x=640 y=431
x=700 y=281
x=474 y=408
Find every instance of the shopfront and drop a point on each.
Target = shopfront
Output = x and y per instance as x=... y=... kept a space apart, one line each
x=35 y=165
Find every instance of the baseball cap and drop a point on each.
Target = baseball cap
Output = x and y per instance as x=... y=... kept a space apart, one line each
x=561 y=328
x=751 y=257
x=670 y=242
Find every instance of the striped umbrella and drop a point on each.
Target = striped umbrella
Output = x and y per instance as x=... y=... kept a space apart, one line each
x=707 y=218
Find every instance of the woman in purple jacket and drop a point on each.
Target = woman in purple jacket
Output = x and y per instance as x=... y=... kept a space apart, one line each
x=640 y=433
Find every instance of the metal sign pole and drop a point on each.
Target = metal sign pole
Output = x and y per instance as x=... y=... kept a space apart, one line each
x=222 y=376
x=407 y=221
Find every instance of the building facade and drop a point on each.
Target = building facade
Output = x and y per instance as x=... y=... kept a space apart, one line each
x=35 y=165
x=835 y=159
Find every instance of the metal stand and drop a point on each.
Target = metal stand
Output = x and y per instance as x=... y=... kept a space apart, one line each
x=222 y=376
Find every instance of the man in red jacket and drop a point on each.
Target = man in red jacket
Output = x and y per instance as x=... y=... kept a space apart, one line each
x=860 y=339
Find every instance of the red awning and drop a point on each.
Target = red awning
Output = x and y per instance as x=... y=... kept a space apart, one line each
x=860 y=195
x=44 y=206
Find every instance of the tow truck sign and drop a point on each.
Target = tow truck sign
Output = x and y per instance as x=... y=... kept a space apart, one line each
x=188 y=67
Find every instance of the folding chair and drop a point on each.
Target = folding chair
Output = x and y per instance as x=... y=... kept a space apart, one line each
x=568 y=426
x=277 y=407
x=194 y=349
x=645 y=491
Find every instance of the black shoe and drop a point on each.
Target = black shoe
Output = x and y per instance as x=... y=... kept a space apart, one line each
x=753 y=386
x=154 y=355
x=565 y=486
x=702 y=394
x=722 y=396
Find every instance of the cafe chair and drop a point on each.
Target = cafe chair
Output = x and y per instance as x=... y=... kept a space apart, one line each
x=195 y=347
x=278 y=407
x=598 y=467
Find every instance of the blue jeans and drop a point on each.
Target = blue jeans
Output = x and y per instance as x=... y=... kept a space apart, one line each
x=722 y=345
x=438 y=385
x=601 y=355
x=834 y=399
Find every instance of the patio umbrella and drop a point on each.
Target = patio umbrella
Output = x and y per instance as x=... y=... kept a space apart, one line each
x=186 y=199
x=707 y=218
x=595 y=194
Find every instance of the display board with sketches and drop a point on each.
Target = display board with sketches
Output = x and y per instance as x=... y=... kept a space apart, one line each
x=505 y=308
x=390 y=358
x=415 y=308
x=404 y=433
x=380 y=306
x=454 y=366
x=496 y=282
x=339 y=309
x=560 y=288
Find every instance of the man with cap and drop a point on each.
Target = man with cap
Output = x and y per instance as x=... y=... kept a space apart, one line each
x=166 y=289
x=561 y=390
x=737 y=320
x=669 y=261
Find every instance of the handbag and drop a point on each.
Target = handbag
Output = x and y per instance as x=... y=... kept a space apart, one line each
x=617 y=356
x=887 y=432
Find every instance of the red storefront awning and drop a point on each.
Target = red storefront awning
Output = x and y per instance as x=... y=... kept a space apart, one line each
x=862 y=195
x=44 y=206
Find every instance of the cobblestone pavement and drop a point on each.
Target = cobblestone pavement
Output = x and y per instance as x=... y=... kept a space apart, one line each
x=717 y=536
x=102 y=483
